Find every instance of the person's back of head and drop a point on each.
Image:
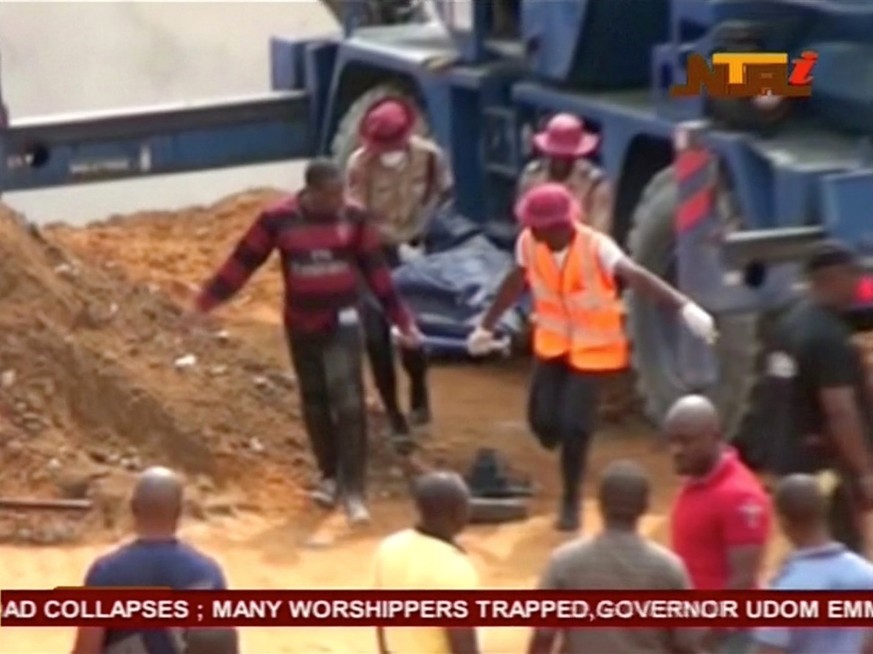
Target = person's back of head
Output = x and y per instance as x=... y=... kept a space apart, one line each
x=623 y=494
x=802 y=507
x=212 y=640
x=156 y=502
x=443 y=502
x=833 y=271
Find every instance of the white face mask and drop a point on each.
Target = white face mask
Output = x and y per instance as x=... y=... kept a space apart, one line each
x=393 y=159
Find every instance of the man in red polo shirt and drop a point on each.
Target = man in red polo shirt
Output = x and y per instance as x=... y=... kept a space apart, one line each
x=721 y=518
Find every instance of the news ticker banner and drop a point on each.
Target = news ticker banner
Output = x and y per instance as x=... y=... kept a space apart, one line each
x=151 y=608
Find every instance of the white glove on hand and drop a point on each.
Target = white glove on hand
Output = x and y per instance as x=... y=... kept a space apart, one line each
x=699 y=322
x=480 y=342
x=408 y=253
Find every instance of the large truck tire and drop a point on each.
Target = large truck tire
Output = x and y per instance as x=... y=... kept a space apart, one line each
x=763 y=114
x=345 y=140
x=654 y=329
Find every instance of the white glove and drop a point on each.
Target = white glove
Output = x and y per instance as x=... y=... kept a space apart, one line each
x=480 y=342
x=408 y=253
x=699 y=322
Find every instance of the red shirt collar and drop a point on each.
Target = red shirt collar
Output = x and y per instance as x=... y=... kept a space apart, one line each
x=726 y=462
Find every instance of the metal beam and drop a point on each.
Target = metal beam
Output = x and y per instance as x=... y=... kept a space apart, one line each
x=44 y=505
x=64 y=150
x=771 y=245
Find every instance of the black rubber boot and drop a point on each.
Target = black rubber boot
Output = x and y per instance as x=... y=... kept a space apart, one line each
x=415 y=365
x=573 y=454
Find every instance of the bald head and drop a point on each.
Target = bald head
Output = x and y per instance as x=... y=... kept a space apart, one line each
x=800 y=501
x=624 y=492
x=693 y=429
x=157 y=497
x=693 y=412
x=443 y=501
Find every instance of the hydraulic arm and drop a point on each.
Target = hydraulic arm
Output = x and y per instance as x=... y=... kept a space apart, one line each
x=64 y=150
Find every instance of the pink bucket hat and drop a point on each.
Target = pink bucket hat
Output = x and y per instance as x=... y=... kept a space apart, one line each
x=565 y=136
x=547 y=205
x=387 y=125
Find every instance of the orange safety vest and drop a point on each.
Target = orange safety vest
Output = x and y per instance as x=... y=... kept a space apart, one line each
x=577 y=311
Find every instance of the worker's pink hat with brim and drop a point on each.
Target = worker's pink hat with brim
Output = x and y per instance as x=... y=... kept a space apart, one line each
x=565 y=136
x=387 y=125
x=547 y=205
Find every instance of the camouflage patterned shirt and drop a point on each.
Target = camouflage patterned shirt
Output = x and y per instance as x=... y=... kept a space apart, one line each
x=586 y=182
x=401 y=199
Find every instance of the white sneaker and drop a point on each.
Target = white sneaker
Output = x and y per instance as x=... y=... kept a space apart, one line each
x=356 y=512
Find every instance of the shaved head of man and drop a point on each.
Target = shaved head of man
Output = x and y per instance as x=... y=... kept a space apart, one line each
x=443 y=503
x=693 y=430
x=623 y=494
x=156 y=503
x=802 y=507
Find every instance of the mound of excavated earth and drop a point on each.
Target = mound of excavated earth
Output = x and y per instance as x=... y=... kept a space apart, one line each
x=99 y=377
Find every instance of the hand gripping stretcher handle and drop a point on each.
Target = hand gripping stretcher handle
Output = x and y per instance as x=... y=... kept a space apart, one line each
x=501 y=346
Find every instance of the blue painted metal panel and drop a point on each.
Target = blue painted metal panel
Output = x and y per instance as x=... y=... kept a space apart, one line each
x=318 y=65
x=846 y=201
x=40 y=153
x=286 y=63
x=556 y=27
x=592 y=42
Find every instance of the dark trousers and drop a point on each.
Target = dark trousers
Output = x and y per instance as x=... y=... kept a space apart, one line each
x=330 y=378
x=380 y=353
x=843 y=516
x=562 y=413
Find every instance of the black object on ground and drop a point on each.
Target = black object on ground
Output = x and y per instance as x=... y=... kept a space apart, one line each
x=496 y=497
x=490 y=478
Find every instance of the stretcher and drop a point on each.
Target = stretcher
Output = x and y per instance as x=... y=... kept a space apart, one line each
x=502 y=346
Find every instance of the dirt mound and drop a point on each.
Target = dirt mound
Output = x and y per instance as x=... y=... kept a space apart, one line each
x=99 y=377
x=177 y=250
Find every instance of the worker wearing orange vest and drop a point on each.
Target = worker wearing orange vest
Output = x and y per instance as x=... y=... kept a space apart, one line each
x=579 y=334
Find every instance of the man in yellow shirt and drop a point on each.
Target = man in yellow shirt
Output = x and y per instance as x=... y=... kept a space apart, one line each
x=426 y=557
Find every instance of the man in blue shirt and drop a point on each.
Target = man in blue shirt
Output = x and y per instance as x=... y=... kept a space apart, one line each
x=156 y=558
x=818 y=563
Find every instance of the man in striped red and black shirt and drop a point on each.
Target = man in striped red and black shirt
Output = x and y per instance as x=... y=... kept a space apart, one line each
x=326 y=246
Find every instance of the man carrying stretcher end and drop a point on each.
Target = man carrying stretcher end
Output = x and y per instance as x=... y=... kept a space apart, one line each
x=573 y=271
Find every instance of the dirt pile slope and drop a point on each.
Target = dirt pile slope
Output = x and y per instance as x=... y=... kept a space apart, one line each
x=90 y=388
x=177 y=250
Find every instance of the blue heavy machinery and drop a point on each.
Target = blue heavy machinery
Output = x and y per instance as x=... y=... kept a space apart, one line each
x=720 y=196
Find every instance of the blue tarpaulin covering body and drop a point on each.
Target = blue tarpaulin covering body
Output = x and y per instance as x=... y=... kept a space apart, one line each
x=449 y=288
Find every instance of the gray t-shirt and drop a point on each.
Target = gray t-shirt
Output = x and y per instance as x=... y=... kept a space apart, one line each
x=616 y=560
